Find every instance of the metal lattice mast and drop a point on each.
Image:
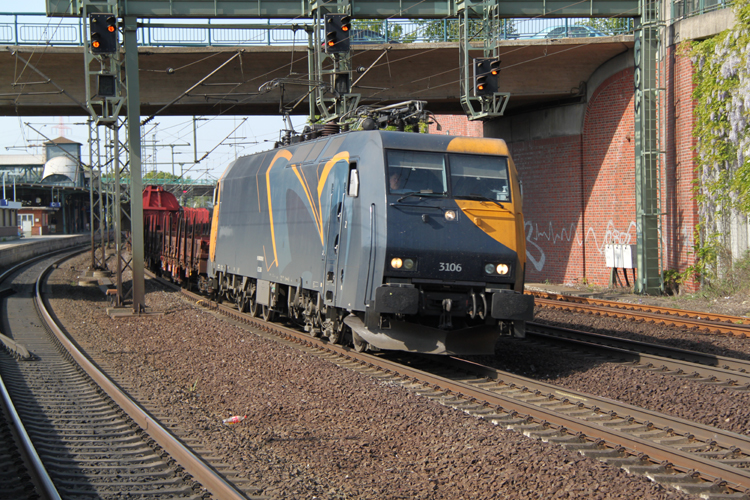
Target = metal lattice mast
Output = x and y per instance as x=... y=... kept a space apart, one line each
x=649 y=153
x=343 y=102
x=103 y=226
x=103 y=66
x=95 y=197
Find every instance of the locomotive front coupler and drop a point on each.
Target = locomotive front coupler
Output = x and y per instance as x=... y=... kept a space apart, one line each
x=445 y=316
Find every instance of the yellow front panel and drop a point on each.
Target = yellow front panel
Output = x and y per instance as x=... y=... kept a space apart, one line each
x=498 y=223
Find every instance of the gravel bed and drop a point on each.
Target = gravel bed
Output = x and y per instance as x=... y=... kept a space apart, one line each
x=314 y=430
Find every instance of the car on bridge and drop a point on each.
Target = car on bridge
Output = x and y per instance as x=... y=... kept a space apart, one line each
x=367 y=36
x=578 y=31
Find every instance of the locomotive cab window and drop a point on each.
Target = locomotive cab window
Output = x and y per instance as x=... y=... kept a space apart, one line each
x=416 y=172
x=479 y=177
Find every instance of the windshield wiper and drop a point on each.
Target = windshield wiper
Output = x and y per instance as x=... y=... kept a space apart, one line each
x=479 y=197
x=420 y=195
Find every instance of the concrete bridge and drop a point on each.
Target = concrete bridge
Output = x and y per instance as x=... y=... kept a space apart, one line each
x=543 y=72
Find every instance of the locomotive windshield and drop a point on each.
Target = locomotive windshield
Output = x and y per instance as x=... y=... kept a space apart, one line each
x=416 y=172
x=479 y=177
x=476 y=177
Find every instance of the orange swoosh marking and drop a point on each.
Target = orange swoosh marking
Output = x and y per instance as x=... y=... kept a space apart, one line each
x=281 y=154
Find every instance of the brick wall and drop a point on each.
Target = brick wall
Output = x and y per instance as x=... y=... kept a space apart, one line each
x=579 y=189
x=680 y=205
x=609 y=178
x=457 y=125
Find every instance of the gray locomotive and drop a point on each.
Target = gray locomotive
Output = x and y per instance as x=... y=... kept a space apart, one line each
x=392 y=240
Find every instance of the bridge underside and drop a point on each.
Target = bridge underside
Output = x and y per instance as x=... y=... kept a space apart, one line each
x=537 y=73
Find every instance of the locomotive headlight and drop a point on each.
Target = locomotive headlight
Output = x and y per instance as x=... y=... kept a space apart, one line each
x=396 y=263
x=450 y=215
x=408 y=264
x=489 y=268
x=502 y=269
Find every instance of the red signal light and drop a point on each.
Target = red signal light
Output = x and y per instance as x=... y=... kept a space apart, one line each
x=96 y=44
x=111 y=29
x=331 y=43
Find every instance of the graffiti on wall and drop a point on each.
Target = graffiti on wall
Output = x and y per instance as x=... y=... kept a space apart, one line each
x=534 y=235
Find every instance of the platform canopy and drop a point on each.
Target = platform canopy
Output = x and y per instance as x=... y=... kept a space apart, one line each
x=362 y=9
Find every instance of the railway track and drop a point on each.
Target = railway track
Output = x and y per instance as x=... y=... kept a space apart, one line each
x=87 y=433
x=697 y=366
x=706 y=322
x=691 y=457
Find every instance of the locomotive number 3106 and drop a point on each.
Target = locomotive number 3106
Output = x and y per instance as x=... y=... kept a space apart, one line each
x=450 y=266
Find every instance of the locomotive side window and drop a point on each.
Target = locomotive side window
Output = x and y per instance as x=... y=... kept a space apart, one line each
x=480 y=177
x=416 y=172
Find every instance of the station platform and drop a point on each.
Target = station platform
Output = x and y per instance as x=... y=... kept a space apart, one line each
x=15 y=251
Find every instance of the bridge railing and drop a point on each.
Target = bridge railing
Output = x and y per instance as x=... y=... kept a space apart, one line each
x=37 y=29
x=682 y=9
x=179 y=182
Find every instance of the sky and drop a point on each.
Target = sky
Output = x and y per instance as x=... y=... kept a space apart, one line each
x=20 y=135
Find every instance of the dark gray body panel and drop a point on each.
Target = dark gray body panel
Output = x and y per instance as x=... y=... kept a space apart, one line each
x=298 y=238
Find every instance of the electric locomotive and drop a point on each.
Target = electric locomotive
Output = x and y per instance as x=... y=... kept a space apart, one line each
x=398 y=241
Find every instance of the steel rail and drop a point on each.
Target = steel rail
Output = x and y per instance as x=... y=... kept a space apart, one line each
x=734 y=371
x=706 y=433
x=36 y=469
x=736 y=478
x=208 y=478
x=721 y=323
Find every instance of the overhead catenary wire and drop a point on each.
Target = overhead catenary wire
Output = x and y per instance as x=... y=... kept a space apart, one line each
x=191 y=88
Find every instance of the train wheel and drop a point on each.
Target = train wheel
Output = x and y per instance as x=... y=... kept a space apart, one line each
x=241 y=302
x=252 y=305
x=360 y=345
x=253 y=308
x=267 y=314
x=316 y=325
x=336 y=328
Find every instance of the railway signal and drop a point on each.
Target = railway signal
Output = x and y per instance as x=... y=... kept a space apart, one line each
x=104 y=39
x=486 y=76
x=337 y=29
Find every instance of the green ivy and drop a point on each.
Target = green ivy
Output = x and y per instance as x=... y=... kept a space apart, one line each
x=722 y=130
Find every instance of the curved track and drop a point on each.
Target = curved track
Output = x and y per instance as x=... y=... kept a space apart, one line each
x=707 y=322
x=701 y=367
x=90 y=447
x=692 y=457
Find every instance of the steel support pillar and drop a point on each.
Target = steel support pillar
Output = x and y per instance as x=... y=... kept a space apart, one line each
x=134 y=147
x=95 y=198
x=649 y=154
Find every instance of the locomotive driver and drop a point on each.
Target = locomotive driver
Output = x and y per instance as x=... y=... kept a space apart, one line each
x=396 y=181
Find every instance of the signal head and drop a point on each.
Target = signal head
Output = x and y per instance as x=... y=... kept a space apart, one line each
x=103 y=29
x=337 y=33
